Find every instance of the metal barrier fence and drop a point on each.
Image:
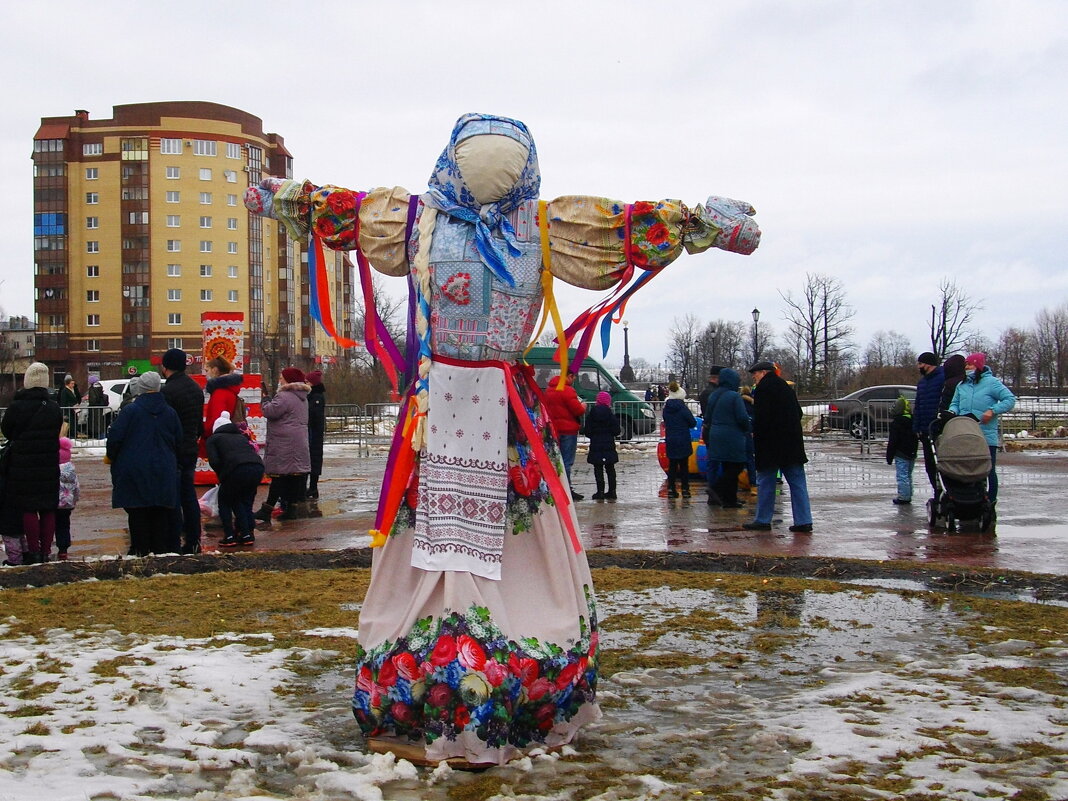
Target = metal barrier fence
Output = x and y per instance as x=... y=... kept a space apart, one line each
x=371 y=427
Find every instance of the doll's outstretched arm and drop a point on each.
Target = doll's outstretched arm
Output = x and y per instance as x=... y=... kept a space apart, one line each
x=375 y=221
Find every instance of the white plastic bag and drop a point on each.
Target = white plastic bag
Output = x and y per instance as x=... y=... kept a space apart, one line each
x=209 y=504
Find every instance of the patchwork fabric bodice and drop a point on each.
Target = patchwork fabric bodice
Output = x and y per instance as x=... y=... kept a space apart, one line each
x=475 y=316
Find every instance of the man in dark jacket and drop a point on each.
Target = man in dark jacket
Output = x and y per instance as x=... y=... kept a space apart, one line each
x=316 y=430
x=925 y=409
x=779 y=447
x=185 y=396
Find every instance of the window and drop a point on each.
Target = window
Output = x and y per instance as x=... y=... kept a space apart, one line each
x=92 y=344
x=174 y=220
x=174 y=245
x=231 y=200
x=231 y=296
x=205 y=271
x=233 y=150
x=174 y=197
x=231 y=271
x=135 y=148
x=230 y=176
x=205 y=246
x=47 y=145
x=205 y=222
x=92 y=246
x=57 y=319
x=92 y=296
x=174 y=318
x=205 y=173
x=94 y=149
x=205 y=294
x=92 y=173
x=170 y=147
x=231 y=223
x=92 y=271
x=231 y=247
x=134 y=193
x=205 y=198
x=92 y=197
x=137 y=218
x=174 y=172
x=92 y=222
x=174 y=294
x=92 y=319
x=174 y=270
x=204 y=147
x=174 y=342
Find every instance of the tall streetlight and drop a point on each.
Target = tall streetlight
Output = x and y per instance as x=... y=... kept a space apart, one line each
x=712 y=332
x=626 y=373
x=756 y=338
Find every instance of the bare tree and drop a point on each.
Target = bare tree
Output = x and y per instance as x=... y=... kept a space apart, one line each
x=888 y=349
x=818 y=329
x=1051 y=346
x=1013 y=353
x=682 y=347
x=721 y=342
x=951 y=318
x=391 y=311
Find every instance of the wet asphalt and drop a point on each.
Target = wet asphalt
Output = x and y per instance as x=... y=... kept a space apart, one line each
x=850 y=490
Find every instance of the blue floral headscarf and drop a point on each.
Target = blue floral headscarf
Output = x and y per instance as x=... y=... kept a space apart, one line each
x=448 y=192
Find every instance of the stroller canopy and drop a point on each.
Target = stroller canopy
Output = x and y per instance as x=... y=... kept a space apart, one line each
x=961 y=450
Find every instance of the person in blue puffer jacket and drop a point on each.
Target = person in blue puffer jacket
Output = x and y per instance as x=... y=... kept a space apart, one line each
x=984 y=397
x=925 y=410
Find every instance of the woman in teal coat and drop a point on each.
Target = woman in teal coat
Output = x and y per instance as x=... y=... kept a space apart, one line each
x=985 y=398
x=728 y=423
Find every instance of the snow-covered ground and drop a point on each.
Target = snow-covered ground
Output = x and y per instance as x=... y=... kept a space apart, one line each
x=865 y=691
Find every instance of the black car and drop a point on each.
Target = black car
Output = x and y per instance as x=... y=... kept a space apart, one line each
x=866 y=412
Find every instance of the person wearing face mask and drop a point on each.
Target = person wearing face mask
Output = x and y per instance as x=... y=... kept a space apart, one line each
x=925 y=410
x=985 y=398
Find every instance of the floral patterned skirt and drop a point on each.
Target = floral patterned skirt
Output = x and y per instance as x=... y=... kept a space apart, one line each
x=478 y=669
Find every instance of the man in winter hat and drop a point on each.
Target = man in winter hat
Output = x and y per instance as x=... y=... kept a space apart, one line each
x=185 y=396
x=925 y=410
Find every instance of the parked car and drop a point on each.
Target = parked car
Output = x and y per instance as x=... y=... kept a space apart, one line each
x=866 y=412
x=636 y=417
x=114 y=388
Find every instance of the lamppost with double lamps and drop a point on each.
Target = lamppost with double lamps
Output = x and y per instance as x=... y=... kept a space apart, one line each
x=626 y=373
x=756 y=339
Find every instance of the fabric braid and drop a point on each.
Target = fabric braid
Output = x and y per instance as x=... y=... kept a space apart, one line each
x=424 y=234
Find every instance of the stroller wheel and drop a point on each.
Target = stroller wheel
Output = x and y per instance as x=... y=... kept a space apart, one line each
x=932 y=512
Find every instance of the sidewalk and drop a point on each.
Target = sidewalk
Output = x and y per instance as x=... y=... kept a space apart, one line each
x=850 y=494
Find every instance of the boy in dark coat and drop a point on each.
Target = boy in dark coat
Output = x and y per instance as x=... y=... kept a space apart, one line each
x=678 y=420
x=240 y=471
x=901 y=448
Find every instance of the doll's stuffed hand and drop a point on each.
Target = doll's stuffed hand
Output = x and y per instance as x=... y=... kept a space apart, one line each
x=722 y=223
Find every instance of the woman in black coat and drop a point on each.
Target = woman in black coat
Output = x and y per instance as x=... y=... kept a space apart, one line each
x=602 y=427
x=31 y=485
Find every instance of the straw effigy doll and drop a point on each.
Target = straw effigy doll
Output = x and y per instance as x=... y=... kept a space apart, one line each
x=478 y=636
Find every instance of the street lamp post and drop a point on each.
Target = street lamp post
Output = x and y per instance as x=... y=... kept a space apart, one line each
x=756 y=337
x=626 y=373
x=715 y=355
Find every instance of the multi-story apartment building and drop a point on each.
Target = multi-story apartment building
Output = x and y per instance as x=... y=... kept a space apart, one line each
x=139 y=228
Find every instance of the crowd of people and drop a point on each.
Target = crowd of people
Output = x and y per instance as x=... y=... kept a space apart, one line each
x=152 y=447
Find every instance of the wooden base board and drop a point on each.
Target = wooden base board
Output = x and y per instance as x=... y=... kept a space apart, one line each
x=416 y=754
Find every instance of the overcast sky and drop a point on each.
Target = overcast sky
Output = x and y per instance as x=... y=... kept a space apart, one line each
x=888 y=144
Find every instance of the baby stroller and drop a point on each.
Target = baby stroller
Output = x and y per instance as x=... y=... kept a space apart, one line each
x=963 y=460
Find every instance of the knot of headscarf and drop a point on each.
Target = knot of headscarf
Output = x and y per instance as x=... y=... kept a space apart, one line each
x=449 y=193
